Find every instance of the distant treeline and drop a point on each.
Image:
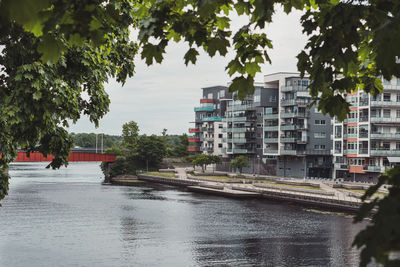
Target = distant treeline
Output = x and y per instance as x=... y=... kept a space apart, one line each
x=88 y=140
x=176 y=145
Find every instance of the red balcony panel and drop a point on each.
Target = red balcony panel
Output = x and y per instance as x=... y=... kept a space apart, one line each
x=206 y=100
x=194 y=130
x=194 y=139
x=193 y=148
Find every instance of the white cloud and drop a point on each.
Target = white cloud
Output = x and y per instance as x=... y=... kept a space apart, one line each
x=163 y=96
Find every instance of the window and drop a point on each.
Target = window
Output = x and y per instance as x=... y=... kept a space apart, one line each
x=316 y=110
x=257 y=98
x=210 y=96
x=222 y=93
x=272 y=98
x=386 y=113
x=386 y=97
x=220 y=126
x=219 y=135
x=220 y=145
x=398 y=97
x=397 y=145
x=319 y=147
x=320 y=135
x=319 y=122
x=258 y=146
x=386 y=82
x=398 y=113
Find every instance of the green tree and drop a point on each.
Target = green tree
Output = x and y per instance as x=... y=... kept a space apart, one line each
x=130 y=133
x=239 y=162
x=202 y=160
x=150 y=151
x=381 y=238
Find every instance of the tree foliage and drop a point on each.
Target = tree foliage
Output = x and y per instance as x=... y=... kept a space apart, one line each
x=239 y=162
x=381 y=239
x=88 y=140
x=130 y=133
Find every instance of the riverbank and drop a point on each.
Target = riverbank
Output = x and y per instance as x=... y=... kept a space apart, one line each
x=323 y=196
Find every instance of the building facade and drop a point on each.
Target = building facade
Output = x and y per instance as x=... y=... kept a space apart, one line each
x=368 y=141
x=274 y=127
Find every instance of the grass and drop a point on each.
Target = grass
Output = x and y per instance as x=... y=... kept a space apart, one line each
x=161 y=174
x=295 y=186
x=361 y=191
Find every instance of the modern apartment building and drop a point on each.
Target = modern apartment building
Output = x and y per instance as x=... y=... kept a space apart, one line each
x=296 y=135
x=208 y=126
x=274 y=127
x=368 y=141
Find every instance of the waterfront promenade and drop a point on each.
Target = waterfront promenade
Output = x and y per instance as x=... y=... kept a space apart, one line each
x=324 y=194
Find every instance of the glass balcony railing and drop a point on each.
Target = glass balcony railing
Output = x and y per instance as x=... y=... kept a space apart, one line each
x=239 y=140
x=270 y=151
x=385 y=103
x=271 y=116
x=293 y=88
x=288 y=139
x=372 y=168
x=203 y=148
x=288 y=152
x=270 y=140
x=385 y=135
x=288 y=127
x=211 y=119
x=385 y=120
x=204 y=109
x=383 y=152
x=341 y=166
x=271 y=128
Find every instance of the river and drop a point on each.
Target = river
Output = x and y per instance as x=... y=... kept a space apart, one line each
x=67 y=218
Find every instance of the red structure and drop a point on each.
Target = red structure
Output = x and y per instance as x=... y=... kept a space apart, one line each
x=73 y=157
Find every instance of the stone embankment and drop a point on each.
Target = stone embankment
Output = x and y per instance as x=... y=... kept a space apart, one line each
x=323 y=195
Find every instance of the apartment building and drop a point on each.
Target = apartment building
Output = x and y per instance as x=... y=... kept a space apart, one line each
x=368 y=141
x=274 y=127
x=206 y=135
x=296 y=136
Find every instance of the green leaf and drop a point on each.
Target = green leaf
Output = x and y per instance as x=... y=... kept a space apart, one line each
x=51 y=49
x=191 y=55
x=242 y=85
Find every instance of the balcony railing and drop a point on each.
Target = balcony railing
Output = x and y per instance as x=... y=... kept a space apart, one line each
x=385 y=135
x=372 y=168
x=293 y=88
x=385 y=120
x=385 y=103
x=270 y=151
x=351 y=151
x=379 y=152
x=363 y=151
x=203 y=148
x=239 y=140
x=206 y=129
x=193 y=148
x=271 y=128
x=341 y=166
x=288 y=127
x=363 y=135
x=288 y=152
x=203 y=109
x=194 y=130
x=314 y=152
x=211 y=119
x=294 y=115
x=288 y=140
x=270 y=140
x=194 y=139
x=271 y=116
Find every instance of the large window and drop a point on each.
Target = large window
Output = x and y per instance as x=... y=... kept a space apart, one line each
x=319 y=134
x=386 y=97
x=386 y=113
x=319 y=122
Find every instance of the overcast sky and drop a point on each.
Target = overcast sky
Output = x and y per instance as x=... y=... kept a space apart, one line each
x=163 y=96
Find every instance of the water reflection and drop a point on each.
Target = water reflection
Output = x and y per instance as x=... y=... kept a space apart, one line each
x=65 y=217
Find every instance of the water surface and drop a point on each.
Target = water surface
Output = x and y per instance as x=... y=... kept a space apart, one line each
x=67 y=218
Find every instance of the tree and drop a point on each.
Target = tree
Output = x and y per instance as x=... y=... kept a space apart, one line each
x=130 y=133
x=150 y=151
x=381 y=239
x=240 y=162
x=215 y=160
x=202 y=160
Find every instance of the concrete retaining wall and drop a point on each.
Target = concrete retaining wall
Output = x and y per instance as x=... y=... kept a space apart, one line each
x=320 y=192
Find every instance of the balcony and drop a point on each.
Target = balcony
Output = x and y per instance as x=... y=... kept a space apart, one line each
x=302 y=140
x=341 y=166
x=288 y=152
x=205 y=129
x=292 y=102
x=239 y=150
x=314 y=152
x=240 y=107
x=363 y=119
x=384 y=104
x=293 y=88
x=288 y=127
x=385 y=135
x=205 y=100
x=204 y=148
x=240 y=140
x=363 y=151
x=269 y=151
x=285 y=115
x=204 y=109
x=194 y=130
x=271 y=128
x=271 y=116
x=351 y=151
x=193 y=148
x=208 y=139
x=194 y=139
x=211 y=119
x=383 y=152
x=238 y=119
x=270 y=140
x=288 y=140
x=372 y=168
x=352 y=136
x=385 y=120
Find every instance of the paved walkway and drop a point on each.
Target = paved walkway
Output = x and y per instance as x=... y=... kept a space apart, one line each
x=181 y=173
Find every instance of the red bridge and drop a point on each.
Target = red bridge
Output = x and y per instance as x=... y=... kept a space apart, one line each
x=76 y=155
